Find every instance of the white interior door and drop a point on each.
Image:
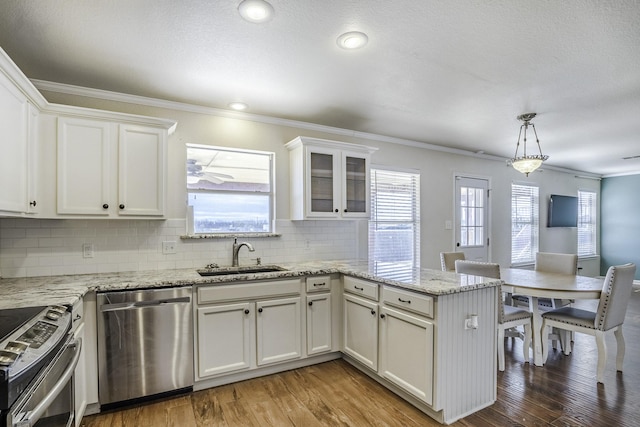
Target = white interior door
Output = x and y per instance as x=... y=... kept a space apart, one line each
x=472 y=218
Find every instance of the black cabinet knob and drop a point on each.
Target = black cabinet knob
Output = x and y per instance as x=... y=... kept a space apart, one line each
x=105 y=206
x=336 y=211
x=310 y=303
x=382 y=316
x=345 y=210
x=246 y=311
x=32 y=203
x=121 y=206
x=373 y=312
x=260 y=310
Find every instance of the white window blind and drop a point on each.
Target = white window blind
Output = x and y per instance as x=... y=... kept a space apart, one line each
x=394 y=228
x=525 y=223
x=587 y=223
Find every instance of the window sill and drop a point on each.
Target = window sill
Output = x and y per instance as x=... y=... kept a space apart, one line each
x=227 y=235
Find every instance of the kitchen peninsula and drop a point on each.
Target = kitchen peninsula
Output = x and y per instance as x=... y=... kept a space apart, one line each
x=423 y=338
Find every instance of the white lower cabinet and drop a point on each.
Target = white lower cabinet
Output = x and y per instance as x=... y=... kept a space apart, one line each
x=361 y=330
x=234 y=334
x=224 y=337
x=406 y=352
x=319 y=323
x=278 y=330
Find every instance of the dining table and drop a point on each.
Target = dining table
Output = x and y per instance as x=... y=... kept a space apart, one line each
x=538 y=284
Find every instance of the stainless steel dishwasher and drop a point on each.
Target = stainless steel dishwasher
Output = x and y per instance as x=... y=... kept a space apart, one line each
x=145 y=344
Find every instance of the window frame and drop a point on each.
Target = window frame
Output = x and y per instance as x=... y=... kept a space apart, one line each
x=385 y=267
x=587 y=223
x=271 y=194
x=532 y=220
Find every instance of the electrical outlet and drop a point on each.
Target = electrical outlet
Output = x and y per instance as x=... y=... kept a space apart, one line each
x=169 y=247
x=87 y=250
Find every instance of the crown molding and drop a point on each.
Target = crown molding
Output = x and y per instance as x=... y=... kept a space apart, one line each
x=48 y=86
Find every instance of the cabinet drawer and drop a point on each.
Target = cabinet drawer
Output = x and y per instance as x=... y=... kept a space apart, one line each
x=248 y=290
x=318 y=283
x=422 y=304
x=361 y=287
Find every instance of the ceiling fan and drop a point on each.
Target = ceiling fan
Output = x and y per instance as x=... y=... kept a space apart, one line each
x=195 y=174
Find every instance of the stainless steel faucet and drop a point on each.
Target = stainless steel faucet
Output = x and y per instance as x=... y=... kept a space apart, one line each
x=236 y=249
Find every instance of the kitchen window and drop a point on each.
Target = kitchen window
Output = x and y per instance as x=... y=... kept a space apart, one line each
x=587 y=210
x=525 y=223
x=394 y=227
x=229 y=190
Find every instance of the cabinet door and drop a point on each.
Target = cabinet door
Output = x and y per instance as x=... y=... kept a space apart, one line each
x=80 y=378
x=13 y=147
x=278 y=330
x=318 y=323
x=355 y=185
x=141 y=170
x=224 y=338
x=361 y=330
x=84 y=166
x=406 y=352
x=323 y=183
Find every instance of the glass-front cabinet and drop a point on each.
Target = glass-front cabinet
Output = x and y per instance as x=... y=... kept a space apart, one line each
x=329 y=179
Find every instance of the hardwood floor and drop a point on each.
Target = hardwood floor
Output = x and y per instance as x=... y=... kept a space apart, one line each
x=562 y=393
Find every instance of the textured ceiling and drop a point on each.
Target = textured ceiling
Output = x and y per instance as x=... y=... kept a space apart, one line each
x=444 y=72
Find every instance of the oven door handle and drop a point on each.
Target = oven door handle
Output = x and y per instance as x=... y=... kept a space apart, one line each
x=37 y=412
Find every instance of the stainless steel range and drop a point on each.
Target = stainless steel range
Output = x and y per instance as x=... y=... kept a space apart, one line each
x=37 y=358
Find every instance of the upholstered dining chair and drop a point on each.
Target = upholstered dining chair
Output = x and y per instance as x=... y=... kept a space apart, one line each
x=551 y=262
x=612 y=307
x=448 y=260
x=508 y=316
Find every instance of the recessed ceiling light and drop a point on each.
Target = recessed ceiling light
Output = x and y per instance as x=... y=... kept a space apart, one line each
x=238 y=106
x=352 y=40
x=256 y=11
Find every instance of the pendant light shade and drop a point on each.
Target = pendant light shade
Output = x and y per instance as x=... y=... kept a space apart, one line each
x=527 y=163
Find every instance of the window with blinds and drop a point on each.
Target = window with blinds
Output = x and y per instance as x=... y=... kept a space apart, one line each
x=525 y=223
x=394 y=227
x=587 y=223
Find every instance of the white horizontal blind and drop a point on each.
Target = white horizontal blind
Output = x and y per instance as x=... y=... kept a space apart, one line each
x=394 y=228
x=587 y=211
x=525 y=223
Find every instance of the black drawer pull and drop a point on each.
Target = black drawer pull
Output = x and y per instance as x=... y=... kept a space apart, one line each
x=360 y=289
x=408 y=301
x=319 y=284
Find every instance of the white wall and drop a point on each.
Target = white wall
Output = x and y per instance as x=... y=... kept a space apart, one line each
x=348 y=239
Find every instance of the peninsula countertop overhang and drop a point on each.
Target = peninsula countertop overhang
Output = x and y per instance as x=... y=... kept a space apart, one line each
x=66 y=290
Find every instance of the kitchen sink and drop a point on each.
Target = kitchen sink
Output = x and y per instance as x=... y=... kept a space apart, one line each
x=222 y=271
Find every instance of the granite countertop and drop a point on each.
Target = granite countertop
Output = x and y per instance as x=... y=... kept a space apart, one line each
x=66 y=290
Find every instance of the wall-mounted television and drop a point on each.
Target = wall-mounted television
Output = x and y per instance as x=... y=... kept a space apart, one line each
x=563 y=211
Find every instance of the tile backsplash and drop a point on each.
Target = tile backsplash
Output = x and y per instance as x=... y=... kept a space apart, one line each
x=41 y=247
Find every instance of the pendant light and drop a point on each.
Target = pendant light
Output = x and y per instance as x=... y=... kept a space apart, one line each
x=527 y=163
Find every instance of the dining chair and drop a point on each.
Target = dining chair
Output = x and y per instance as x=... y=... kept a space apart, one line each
x=551 y=262
x=509 y=317
x=448 y=260
x=612 y=307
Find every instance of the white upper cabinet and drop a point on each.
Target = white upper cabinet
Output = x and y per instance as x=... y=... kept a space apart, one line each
x=14 y=122
x=329 y=179
x=110 y=169
x=141 y=170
